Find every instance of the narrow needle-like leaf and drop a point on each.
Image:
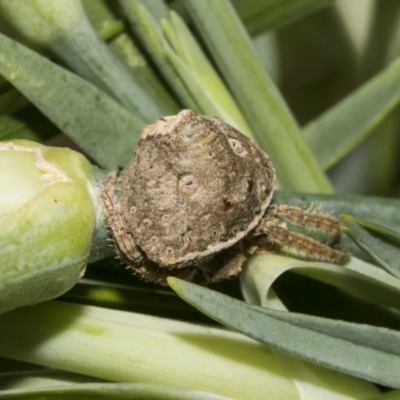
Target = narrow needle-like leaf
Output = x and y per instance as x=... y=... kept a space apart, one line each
x=130 y=347
x=107 y=391
x=380 y=243
x=336 y=132
x=259 y=16
x=96 y=122
x=365 y=351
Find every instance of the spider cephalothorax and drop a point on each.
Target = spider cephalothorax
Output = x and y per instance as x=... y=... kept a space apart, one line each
x=193 y=199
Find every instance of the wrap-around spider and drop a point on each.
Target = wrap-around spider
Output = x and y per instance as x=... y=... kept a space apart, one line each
x=196 y=198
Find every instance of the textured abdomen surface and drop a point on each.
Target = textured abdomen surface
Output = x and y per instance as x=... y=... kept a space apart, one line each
x=196 y=186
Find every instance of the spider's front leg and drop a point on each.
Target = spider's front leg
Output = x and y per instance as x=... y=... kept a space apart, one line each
x=279 y=236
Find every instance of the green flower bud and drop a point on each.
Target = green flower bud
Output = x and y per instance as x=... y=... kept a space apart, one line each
x=48 y=217
x=42 y=21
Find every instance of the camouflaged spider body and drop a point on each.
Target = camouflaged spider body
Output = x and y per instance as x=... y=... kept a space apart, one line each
x=193 y=199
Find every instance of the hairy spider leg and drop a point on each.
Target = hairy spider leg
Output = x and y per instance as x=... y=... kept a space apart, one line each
x=280 y=236
x=310 y=218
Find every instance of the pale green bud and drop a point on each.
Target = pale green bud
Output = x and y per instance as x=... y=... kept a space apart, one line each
x=48 y=216
x=42 y=21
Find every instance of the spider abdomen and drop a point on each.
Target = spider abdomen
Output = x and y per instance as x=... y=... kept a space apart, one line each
x=195 y=187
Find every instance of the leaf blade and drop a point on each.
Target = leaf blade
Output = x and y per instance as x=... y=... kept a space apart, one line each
x=99 y=125
x=122 y=391
x=340 y=129
x=338 y=345
x=83 y=339
x=259 y=16
x=262 y=270
x=380 y=243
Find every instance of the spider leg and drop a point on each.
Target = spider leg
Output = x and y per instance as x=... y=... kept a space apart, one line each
x=122 y=236
x=281 y=236
x=307 y=218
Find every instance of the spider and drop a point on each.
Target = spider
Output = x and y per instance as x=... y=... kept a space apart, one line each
x=196 y=198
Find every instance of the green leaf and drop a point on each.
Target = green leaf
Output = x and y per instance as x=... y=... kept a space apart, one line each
x=311 y=86
x=64 y=29
x=259 y=16
x=87 y=340
x=85 y=391
x=340 y=129
x=382 y=32
x=151 y=89
x=146 y=26
x=99 y=125
x=262 y=104
x=30 y=378
x=360 y=350
x=126 y=50
x=199 y=75
x=383 y=158
x=103 y=19
x=157 y=8
x=262 y=270
x=85 y=53
x=380 y=243
x=366 y=294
